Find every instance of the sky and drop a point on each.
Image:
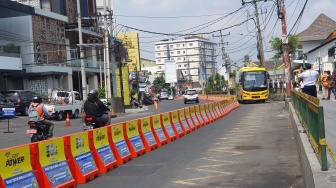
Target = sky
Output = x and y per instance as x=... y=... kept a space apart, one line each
x=155 y=20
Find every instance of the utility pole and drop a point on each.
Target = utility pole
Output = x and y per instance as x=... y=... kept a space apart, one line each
x=113 y=35
x=260 y=43
x=107 y=56
x=285 y=49
x=224 y=55
x=79 y=20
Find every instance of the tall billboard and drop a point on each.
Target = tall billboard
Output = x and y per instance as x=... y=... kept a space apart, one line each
x=131 y=43
x=170 y=71
x=124 y=83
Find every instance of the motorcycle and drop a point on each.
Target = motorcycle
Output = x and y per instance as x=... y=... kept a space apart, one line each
x=91 y=123
x=37 y=131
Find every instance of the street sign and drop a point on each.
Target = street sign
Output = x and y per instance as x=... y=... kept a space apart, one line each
x=8 y=112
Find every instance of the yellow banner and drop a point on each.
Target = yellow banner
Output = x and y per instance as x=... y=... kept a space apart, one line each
x=100 y=137
x=51 y=151
x=117 y=133
x=132 y=128
x=187 y=112
x=197 y=111
x=125 y=84
x=192 y=111
x=181 y=112
x=166 y=119
x=145 y=125
x=156 y=121
x=206 y=108
x=131 y=43
x=14 y=161
x=216 y=105
x=202 y=108
x=79 y=143
x=175 y=116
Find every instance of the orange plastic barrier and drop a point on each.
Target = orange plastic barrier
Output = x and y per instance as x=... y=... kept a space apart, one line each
x=199 y=115
x=203 y=114
x=194 y=117
x=50 y=165
x=157 y=130
x=133 y=140
x=216 y=107
x=183 y=122
x=101 y=149
x=189 y=119
x=176 y=123
x=146 y=134
x=79 y=157
x=118 y=143
x=212 y=112
x=167 y=127
x=15 y=168
x=207 y=112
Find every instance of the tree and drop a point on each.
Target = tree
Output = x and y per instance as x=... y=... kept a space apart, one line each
x=276 y=45
x=160 y=83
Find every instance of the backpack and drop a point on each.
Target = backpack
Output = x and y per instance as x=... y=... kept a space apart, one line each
x=33 y=114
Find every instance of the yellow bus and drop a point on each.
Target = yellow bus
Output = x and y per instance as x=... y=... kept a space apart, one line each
x=252 y=84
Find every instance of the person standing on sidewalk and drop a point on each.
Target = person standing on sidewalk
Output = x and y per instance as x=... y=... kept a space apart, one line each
x=309 y=80
x=325 y=85
x=332 y=79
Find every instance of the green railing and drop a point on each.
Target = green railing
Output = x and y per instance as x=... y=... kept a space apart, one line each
x=311 y=116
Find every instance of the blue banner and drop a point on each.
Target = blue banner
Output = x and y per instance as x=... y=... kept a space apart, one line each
x=105 y=154
x=58 y=173
x=178 y=127
x=136 y=143
x=160 y=134
x=185 y=125
x=23 y=180
x=150 y=138
x=85 y=162
x=170 y=130
x=205 y=118
x=8 y=112
x=122 y=148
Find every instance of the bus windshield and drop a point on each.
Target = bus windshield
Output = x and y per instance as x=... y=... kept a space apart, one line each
x=255 y=81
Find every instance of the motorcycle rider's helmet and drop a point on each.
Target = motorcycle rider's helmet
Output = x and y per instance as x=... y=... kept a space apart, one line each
x=93 y=93
x=37 y=99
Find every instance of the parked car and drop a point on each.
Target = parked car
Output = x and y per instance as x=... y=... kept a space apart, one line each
x=20 y=98
x=190 y=95
x=4 y=103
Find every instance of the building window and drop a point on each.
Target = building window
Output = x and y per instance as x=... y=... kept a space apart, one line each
x=178 y=52
x=179 y=66
x=159 y=67
x=158 y=54
x=171 y=46
x=185 y=65
x=172 y=58
x=157 y=47
x=171 y=52
x=159 y=60
x=185 y=72
x=183 y=45
x=183 y=52
x=191 y=44
x=177 y=45
x=178 y=59
x=165 y=53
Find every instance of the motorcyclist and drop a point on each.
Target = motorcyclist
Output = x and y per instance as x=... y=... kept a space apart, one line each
x=96 y=108
x=43 y=113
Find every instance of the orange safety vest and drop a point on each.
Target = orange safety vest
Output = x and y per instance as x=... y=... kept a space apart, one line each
x=39 y=108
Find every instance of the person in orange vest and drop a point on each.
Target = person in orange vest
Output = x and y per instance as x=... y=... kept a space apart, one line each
x=43 y=113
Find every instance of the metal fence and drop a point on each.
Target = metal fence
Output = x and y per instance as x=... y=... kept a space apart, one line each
x=311 y=116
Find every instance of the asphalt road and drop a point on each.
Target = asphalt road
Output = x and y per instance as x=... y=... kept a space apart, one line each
x=251 y=147
x=19 y=125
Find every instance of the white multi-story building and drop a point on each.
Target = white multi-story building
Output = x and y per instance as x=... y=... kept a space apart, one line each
x=195 y=56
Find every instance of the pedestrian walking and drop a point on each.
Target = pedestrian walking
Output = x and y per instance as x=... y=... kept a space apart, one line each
x=308 y=80
x=325 y=85
x=275 y=83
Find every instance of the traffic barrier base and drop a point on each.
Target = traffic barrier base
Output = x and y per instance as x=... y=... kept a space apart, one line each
x=118 y=143
x=79 y=157
x=101 y=150
x=133 y=140
x=49 y=164
x=157 y=130
x=167 y=127
x=146 y=134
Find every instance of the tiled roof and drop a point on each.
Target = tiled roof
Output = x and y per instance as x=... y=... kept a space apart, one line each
x=320 y=29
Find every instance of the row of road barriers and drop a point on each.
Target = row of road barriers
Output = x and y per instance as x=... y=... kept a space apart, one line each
x=81 y=157
x=311 y=116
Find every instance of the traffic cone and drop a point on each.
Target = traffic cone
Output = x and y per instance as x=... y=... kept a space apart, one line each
x=67 y=120
x=155 y=104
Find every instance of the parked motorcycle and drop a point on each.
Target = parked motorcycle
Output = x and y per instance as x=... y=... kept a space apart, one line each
x=37 y=131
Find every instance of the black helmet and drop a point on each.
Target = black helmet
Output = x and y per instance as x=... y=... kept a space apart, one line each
x=37 y=99
x=93 y=93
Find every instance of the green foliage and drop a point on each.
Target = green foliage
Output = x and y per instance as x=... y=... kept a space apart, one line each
x=101 y=92
x=132 y=92
x=233 y=74
x=276 y=44
x=160 y=83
